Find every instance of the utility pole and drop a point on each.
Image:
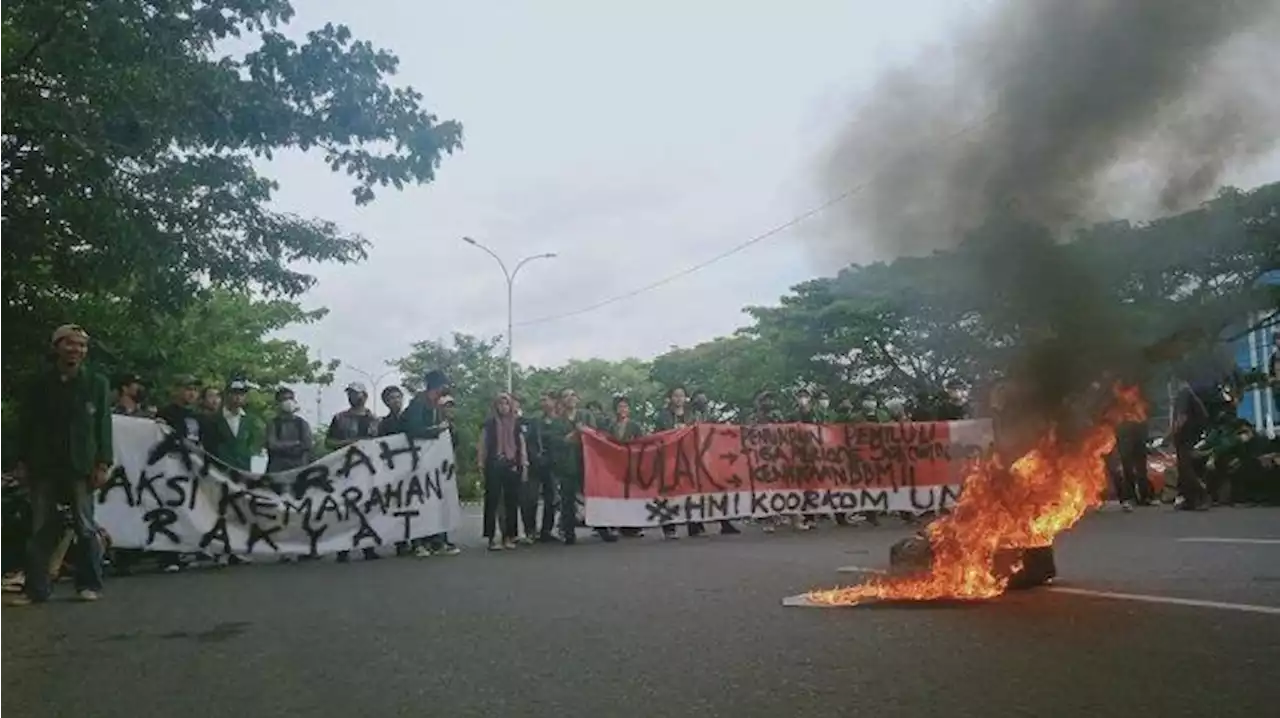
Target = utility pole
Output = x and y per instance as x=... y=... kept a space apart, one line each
x=511 y=280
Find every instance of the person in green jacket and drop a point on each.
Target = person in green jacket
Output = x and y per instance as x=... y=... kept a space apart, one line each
x=63 y=454
x=232 y=436
x=565 y=442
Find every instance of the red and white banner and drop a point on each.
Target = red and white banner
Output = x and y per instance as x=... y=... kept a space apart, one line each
x=708 y=472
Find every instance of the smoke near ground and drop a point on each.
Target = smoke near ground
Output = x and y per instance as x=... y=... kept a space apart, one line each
x=1049 y=114
x=1059 y=112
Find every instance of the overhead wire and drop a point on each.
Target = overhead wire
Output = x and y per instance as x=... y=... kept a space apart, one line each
x=741 y=246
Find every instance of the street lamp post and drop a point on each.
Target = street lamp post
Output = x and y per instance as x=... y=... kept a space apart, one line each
x=511 y=279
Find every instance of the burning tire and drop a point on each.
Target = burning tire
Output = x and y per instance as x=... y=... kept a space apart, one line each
x=1024 y=567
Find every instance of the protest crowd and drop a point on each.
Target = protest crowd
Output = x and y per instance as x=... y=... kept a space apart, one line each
x=531 y=461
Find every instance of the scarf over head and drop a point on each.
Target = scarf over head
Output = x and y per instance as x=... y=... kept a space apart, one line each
x=505 y=424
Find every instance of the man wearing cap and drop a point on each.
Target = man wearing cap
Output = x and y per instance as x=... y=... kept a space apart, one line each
x=233 y=437
x=64 y=453
x=354 y=423
x=129 y=397
x=181 y=415
x=424 y=420
x=349 y=426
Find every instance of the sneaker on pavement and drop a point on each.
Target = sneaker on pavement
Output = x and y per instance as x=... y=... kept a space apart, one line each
x=88 y=595
x=20 y=599
x=448 y=550
x=423 y=552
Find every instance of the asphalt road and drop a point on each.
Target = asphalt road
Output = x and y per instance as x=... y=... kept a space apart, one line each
x=648 y=628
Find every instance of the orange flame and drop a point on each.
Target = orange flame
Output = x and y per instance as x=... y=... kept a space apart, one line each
x=1044 y=493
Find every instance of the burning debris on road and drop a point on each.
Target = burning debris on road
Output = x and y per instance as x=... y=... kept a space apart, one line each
x=1003 y=513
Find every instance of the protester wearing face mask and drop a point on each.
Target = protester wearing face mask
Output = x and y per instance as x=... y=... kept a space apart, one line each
x=806 y=411
x=289 y=438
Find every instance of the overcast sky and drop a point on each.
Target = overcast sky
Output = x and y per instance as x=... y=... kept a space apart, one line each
x=631 y=138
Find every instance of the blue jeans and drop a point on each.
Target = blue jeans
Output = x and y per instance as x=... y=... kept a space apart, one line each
x=48 y=528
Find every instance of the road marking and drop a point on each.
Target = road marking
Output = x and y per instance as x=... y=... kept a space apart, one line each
x=859 y=569
x=1246 y=607
x=1214 y=539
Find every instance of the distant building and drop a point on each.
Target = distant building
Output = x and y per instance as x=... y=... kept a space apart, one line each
x=1253 y=351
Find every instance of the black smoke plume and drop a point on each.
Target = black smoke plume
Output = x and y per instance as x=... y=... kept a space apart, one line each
x=1043 y=116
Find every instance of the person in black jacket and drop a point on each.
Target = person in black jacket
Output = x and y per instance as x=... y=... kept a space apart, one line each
x=393 y=422
x=502 y=457
x=541 y=483
x=181 y=414
x=183 y=418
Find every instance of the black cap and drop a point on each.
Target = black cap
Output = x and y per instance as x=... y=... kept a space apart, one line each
x=435 y=379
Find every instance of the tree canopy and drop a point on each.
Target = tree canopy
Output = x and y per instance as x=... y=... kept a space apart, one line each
x=903 y=329
x=132 y=141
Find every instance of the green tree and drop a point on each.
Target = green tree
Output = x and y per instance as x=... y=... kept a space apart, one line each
x=598 y=380
x=731 y=370
x=129 y=150
x=219 y=335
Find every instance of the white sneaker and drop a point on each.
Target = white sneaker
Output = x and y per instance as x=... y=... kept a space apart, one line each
x=88 y=595
x=423 y=552
x=1126 y=506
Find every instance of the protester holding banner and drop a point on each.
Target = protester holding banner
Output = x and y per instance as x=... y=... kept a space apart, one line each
x=64 y=452
x=393 y=422
x=565 y=440
x=678 y=413
x=623 y=428
x=232 y=436
x=181 y=414
x=674 y=415
x=423 y=420
x=129 y=392
x=806 y=413
x=288 y=437
x=502 y=457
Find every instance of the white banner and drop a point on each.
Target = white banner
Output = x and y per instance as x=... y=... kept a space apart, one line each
x=165 y=494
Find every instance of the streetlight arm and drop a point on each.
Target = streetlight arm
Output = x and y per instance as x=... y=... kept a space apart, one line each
x=526 y=260
x=503 y=265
